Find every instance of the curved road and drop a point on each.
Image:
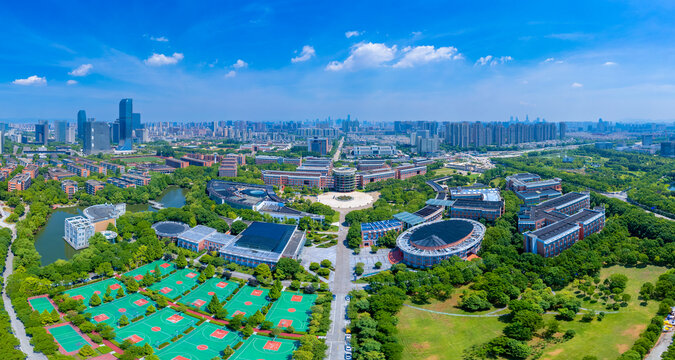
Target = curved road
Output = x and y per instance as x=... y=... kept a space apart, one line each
x=17 y=326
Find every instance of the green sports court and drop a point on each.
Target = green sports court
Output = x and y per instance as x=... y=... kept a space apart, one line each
x=164 y=268
x=247 y=301
x=205 y=342
x=41 y=304
x=177 y=283
x=265 y=348
x=110 y=313
x=292 y=309
x=157 y=328
x=85 y=292
x=201 y=296
x=68 y=338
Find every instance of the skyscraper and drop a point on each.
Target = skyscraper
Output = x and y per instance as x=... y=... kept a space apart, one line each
x=42 y=132
x=61 y=131
x=126 y=123
x=115 y=132
x=81 y=120
x=96 y=137
x=135 y=121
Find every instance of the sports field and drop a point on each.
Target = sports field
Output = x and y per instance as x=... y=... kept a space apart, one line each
x=292 y=309
x=68 y=338
x=247 y=301
x=264 y=348
x=85 y=292
x=201 y=296
x=156 y=328
x=131 y=305
x=177 y=283
x=41 y=304
x=164 y=268
x=204 y=343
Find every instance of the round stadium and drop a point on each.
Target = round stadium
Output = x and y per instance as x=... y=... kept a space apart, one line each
x=428 y=244
x=170 y=229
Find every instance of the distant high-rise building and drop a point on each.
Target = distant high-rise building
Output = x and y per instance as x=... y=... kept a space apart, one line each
x=562 y=130
x=142 y=135
x=318 y=145
x=61 y=131
x=647 y=140
x=81 y=120
x=97 y=137
x=2 y=141
x=115 y=132
x=70 y=134
x=126 y=124
x=42 y=132
x=668 y=148
x=136 y=121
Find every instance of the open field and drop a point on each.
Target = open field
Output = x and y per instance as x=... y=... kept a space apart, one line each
x=431 y=336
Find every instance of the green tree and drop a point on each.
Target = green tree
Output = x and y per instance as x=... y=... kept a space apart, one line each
x=201 y=278
x=210 y=271
x=95 y=300
x=86 y=351
x=214 y=305
x=120 y=293
x=237 y=227
x=150 y=310
x=181 y=262
x=124 y=320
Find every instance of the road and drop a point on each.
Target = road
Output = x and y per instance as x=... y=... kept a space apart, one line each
x=623 y=196
x=335 y=338
x=661 y=346
x=17 y=326
x=336 y=157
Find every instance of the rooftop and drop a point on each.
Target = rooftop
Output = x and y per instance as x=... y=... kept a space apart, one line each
x=266 y=237
x=197 y=233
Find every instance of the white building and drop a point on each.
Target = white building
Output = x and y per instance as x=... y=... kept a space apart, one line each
x=77 y=232
x=374 y=150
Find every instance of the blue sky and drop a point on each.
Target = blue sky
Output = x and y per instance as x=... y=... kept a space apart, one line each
x=379 y=61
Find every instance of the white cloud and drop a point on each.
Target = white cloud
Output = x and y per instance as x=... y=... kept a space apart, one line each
x=610 y=63
x=31 y=80
x=160 y=39
x=240 y=64
x=549 y=60
x=492 y=61
x=365 y=55
x=71 y=82
x=161 y=59
x=82 y=70
x=425 y=54
x=577 y=85
x=306 y=54
x=350 y=34
x=231 y=74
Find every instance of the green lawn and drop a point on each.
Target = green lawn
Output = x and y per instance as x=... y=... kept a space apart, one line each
x=431 y=336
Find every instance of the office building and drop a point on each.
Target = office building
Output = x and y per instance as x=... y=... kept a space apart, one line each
x=317 y=145
x=42 y=132
x=126 y=124
x=61 y=131
x=97 y=137
x=81 y=120
x=115 y=132
x=70 y=135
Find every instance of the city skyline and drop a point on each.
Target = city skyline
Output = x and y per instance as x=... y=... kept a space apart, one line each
x=299 y=60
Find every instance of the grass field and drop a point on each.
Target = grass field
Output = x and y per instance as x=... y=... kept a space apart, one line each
x=420 y=331
x=140 y=159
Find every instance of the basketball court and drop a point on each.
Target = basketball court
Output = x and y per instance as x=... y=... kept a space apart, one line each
x=156 y=328
x=201 y=296
x=110 y=313
x=68 y=338
x=41 y=304
x=164 y=268
x=247 y=301
x=292 y=309
x=265 y=348
x=85 y=292
x=204 y=343
x=177 y=283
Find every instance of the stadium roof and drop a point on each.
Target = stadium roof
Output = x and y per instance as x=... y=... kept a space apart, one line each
x=441 y=233
x=197 y=233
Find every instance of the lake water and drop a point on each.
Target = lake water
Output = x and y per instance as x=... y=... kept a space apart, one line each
x=49 y=241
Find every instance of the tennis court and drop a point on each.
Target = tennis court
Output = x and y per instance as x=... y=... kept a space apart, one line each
x=68 y=338
x=41 y=304
x=292 y=309
x=177 y=283
x=264 y=348
x=164 y=268
x=85 y=292
x=204 y=343
x=201 y=296
x=110 y=313
x=156 y=328
x=247 y=301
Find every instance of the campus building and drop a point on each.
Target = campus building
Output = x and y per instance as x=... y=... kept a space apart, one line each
x=297 y=179
x=103 y=214
x=266 y=159
x=371 y=164
x=120 y=183
x=175 y=163
x=31 y=170
x=344 y=179
x=372 y=231
x=77 y=170
x=476 y=203
x=374 y=151
x=77 y=231
x=59 y=174
x=407 y=171
x=19 y=182
x=92 y=186
x=317 y=145
x=532 y=189
x=549 y=211
x=69 y=187
x=559 y=235
x=368 y=177
x=428 y=244
x=228 y=167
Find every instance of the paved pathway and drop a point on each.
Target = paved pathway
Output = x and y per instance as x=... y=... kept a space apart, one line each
x=661 y=346
x=17 y=326
x=341 y=286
